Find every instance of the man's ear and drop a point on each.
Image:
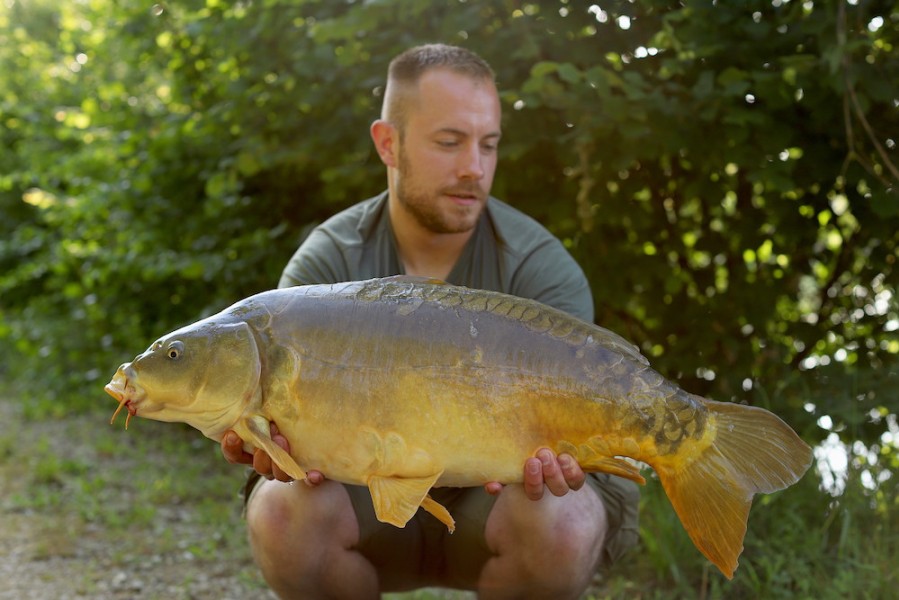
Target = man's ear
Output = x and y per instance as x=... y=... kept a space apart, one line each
x=386 y=137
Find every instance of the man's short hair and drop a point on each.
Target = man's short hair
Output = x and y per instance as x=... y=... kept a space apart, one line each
x=407 y=68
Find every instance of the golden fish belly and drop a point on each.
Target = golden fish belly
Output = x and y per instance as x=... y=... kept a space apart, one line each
x=471 y=424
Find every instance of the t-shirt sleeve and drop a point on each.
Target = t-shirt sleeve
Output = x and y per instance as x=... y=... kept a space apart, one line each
x=549 y=274
x=317 y=260
x=536 y=265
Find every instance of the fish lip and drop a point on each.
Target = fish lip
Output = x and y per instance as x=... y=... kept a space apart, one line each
x=120 y=396
x=116 y=391
x=126 y=393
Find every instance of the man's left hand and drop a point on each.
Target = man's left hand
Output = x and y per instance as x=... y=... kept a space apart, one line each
x=560 y=474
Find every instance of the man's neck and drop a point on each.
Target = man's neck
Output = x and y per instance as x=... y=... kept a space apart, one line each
x=423 y=252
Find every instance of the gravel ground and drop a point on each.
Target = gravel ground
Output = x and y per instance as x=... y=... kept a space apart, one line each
x=56 y=545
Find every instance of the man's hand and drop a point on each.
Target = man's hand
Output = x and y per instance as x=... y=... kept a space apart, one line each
x=560 y=474
x=232 y=449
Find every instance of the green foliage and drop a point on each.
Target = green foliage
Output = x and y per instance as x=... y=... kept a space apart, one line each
x=726 y=174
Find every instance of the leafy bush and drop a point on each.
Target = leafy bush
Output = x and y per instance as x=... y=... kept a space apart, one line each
x=725 y=174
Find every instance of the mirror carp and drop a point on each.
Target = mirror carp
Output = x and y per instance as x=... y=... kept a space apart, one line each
x=403 y=383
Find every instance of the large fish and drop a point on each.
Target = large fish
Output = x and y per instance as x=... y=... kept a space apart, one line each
x=403 y=384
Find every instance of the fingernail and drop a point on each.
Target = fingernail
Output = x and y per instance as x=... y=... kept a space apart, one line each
x=545 y=459
x=533 y=467
x=564 y=461
x=230 y=438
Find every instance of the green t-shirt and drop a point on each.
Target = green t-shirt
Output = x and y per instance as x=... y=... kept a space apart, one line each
x=509 y=252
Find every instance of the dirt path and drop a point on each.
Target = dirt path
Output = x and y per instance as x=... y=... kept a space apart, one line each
x=90 y=511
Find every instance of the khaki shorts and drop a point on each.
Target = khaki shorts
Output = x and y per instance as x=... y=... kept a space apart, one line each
x=424 y=553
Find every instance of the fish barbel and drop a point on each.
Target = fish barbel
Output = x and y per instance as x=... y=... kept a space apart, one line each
x=403 y=384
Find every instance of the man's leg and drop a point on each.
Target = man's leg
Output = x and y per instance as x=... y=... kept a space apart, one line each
x=303 y=540
x=543 y=549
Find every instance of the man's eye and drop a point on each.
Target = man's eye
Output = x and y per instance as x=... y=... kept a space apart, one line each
x=447 y=143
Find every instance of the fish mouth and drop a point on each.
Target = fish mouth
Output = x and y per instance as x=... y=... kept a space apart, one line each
x=120 y=389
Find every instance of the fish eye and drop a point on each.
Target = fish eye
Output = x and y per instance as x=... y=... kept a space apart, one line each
x=175 y=350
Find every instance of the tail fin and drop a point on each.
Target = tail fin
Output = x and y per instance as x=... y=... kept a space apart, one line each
x=752 y=451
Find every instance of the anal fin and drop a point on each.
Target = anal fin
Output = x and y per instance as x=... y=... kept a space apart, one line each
x=593 y=456
x=613 y=466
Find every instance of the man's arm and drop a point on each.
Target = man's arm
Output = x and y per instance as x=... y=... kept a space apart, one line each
x=317 y=260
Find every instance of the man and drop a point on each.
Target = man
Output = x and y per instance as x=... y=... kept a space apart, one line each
x=438 y=137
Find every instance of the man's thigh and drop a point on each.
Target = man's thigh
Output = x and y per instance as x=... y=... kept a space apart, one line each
x=424 y=553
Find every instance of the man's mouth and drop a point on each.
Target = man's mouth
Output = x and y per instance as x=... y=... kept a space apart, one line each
x=463 y=197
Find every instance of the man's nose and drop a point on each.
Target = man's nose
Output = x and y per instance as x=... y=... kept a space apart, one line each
x=471 y=163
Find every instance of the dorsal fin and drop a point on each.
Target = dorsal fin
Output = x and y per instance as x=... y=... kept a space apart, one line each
x=413 y=279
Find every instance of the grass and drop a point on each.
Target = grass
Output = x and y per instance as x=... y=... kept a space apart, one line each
x=104 y=496
x=801 y=543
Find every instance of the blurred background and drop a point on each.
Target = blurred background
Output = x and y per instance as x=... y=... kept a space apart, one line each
x=725 y=173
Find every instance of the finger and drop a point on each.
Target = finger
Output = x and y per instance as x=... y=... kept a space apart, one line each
x=232 y=449
x=533 y=478
x=553 y=476
x=571 y=470
x=262 y=463
x=493 y=488
x=282 y=442
x=279 y=474
x=313 y=478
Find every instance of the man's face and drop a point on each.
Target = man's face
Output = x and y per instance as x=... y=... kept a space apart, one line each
x=447 y=155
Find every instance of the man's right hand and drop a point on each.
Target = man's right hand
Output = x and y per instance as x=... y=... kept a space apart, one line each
x=232 y=449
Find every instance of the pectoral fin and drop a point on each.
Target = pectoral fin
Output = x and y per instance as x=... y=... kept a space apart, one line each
x=397 y=498
x=256 y=430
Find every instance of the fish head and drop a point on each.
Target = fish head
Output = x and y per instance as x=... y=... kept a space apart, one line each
x=204 y=374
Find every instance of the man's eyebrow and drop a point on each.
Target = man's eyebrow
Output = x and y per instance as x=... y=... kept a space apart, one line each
x=460 y=133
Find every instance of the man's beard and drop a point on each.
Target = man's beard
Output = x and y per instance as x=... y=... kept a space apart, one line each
x=425 y=210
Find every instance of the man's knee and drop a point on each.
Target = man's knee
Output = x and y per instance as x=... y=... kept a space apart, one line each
x=571 y=544
x=302 y=540
x=552 y=545
x=283 y=518
x=271 y=512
